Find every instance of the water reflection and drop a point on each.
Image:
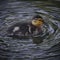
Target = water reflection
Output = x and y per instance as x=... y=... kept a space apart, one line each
x=25 y=49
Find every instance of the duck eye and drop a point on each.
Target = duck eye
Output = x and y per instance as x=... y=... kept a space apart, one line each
x=39 y=20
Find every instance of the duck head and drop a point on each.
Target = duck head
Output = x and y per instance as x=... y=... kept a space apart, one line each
x=37 y=21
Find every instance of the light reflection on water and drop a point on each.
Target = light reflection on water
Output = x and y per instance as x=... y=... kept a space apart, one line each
x=13 y=12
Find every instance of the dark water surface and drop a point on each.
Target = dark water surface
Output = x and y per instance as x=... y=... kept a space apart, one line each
x=25 y=49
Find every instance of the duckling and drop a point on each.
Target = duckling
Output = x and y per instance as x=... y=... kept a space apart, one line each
x=27 y=28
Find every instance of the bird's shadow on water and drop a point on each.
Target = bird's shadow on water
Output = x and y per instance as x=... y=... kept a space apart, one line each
x=35 y=39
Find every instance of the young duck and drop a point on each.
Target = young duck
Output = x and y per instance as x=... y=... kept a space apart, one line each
x=27 y=28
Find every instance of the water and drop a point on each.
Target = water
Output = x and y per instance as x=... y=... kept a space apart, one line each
x=25 y=49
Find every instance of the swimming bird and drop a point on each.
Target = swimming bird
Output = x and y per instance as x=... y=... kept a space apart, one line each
x=31 y=28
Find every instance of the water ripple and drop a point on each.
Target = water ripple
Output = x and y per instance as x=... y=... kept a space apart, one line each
x=25 y=49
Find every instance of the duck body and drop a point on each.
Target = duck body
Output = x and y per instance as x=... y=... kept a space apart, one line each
x=17 y=28
x=22 y=29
